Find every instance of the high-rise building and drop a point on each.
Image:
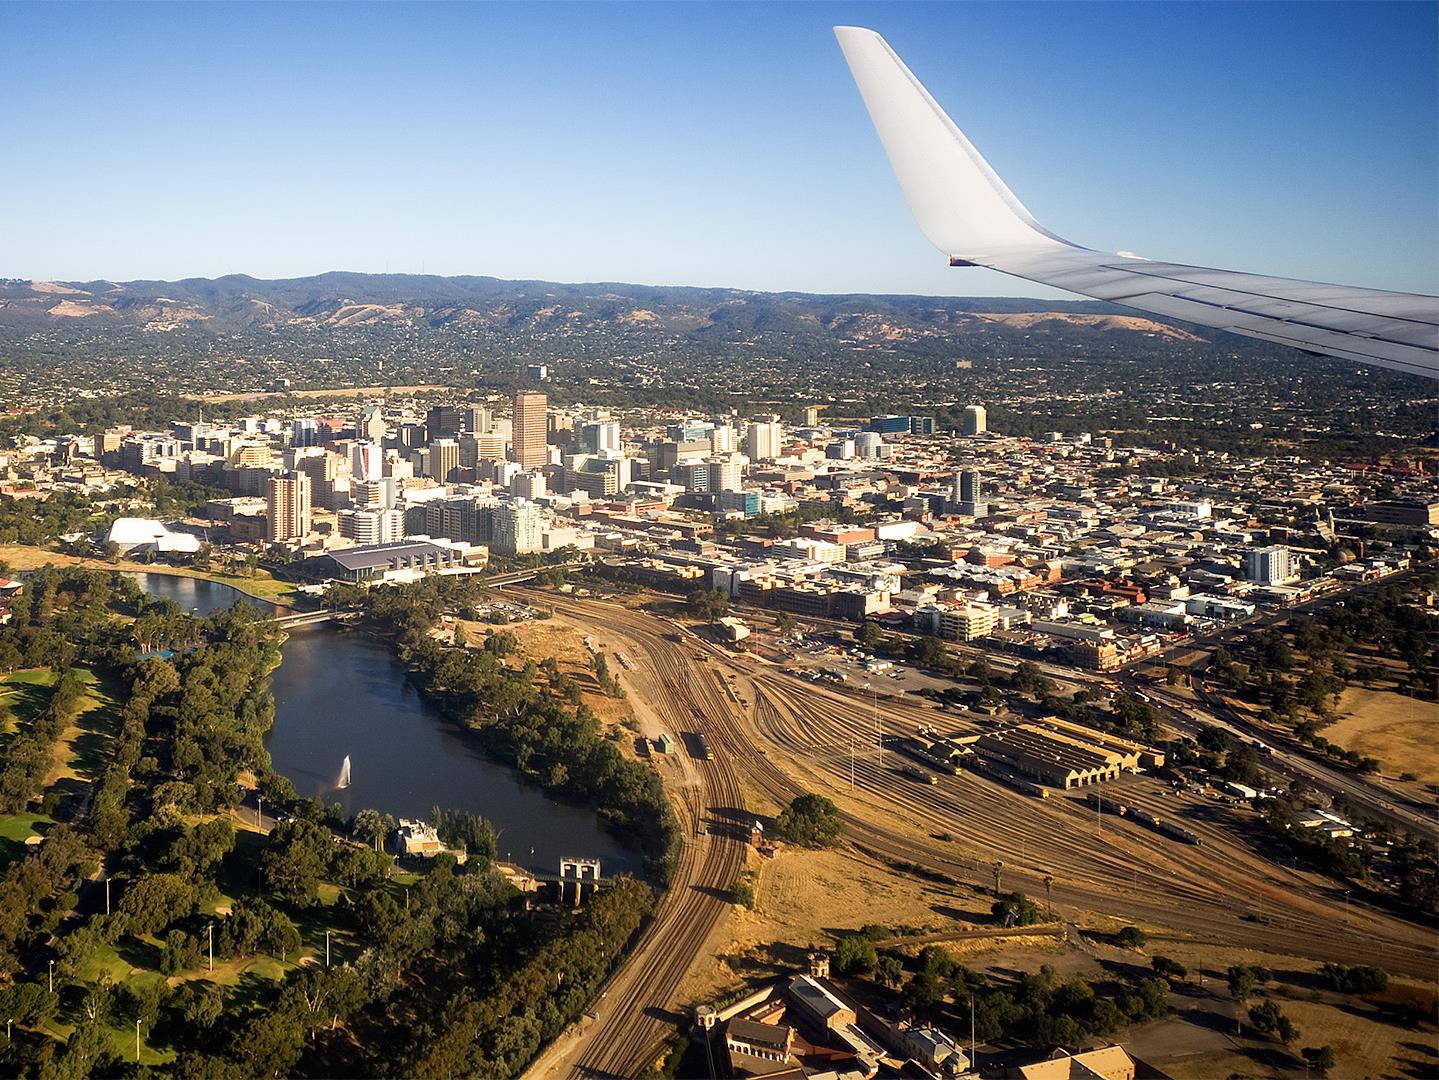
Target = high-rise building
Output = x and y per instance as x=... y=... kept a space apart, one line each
x=442 y=422
x=370 y=425
x=476 y=420
x=867 y=444
x=304 y=433
x=372 y=526
x=516 y=529
x=976 y=420
x=287 y=505
x=327 y=474
x=374 y=494
x=528 y=440
x=1269 y=565
x=599 y=437
x=367 y=461
x=444 y=457
x=726 y=473
x=763 y=438
x=969 y=485
x=528 y=485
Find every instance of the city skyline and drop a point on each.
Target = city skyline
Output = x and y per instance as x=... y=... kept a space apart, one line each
x=688 y=145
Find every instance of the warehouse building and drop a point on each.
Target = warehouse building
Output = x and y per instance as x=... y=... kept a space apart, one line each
x=1050 y=756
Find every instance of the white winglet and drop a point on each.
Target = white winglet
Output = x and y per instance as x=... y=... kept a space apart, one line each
x=962 y=206
x=966 y=211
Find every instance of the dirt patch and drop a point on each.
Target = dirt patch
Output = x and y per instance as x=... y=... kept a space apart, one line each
x=1395 y=728
x=543 y=638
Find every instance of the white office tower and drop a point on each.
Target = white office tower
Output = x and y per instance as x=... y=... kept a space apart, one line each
x=1269 y=565
x=763 y=438
x=528 y=485
x=722 y=439
x=505 y=471
x=867 y=444
x=515 y=528
x=726 y=473
x=607 y=437
x=976 y=420
x=367 y=461
x=372 y=526
x=378 y=494
x=370 y=424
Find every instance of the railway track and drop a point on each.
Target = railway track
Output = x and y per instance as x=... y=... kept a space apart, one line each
x=753 y=714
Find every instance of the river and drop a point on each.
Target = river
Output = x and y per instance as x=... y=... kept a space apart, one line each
x=341 y=693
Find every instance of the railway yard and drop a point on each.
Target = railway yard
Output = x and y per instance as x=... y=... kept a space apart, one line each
x=774 y=736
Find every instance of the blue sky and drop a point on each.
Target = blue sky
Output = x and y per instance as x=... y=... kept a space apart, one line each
x=705 y=144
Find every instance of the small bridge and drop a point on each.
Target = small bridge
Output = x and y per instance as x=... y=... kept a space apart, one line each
x=307 y=618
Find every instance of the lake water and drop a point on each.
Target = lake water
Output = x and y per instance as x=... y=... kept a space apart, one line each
x=338 y=692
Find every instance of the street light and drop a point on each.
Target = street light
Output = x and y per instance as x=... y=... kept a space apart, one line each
x=52 y=976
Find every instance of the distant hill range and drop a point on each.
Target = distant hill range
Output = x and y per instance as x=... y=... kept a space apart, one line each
x=499 y=308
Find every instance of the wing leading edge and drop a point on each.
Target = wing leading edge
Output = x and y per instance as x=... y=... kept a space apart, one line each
x=965 y=210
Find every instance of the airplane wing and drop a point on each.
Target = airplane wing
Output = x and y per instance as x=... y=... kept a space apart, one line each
x=966 y=211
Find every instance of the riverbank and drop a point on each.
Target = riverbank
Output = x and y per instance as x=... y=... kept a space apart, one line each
x=260 y=587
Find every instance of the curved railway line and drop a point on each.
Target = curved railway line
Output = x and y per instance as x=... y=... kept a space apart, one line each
x=772 y=727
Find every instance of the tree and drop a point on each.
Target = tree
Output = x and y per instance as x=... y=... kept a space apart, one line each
x=855 y=954
x=1131 y=937
x=784 y=623
x=708 y=604
x=1166 y=968
x=868 y=634
x=889 y=970
x=1318 y=1058
x=1016 y=909
x=810 y=821
x=1242 y=980
x=295 y=858
x=741 y=892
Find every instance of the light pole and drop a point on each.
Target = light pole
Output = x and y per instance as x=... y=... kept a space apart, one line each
x=107 y=894
x=260 y=812
x=52 y=976
x=327 y=948
x=137 y=1040
x=1346 y=907
x=210 y=933
x=1048 y=894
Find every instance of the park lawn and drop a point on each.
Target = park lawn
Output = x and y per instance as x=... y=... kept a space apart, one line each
x=262 y=585
x=83 y=746
x=1395 y=728
x=15 y=829
x=25 y=693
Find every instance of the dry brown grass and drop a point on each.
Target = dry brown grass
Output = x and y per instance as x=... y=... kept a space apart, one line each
x=1395 y=728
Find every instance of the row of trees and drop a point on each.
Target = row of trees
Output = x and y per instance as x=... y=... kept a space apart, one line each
x=528 y=718
x=30 y=754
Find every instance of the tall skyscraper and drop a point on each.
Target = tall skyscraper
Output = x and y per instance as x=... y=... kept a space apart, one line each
x=976 y=420
x=763 y=438
x=287 y=503
x=444 y=456
x=528 y=440
x=969 y=485
x=370 y=424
